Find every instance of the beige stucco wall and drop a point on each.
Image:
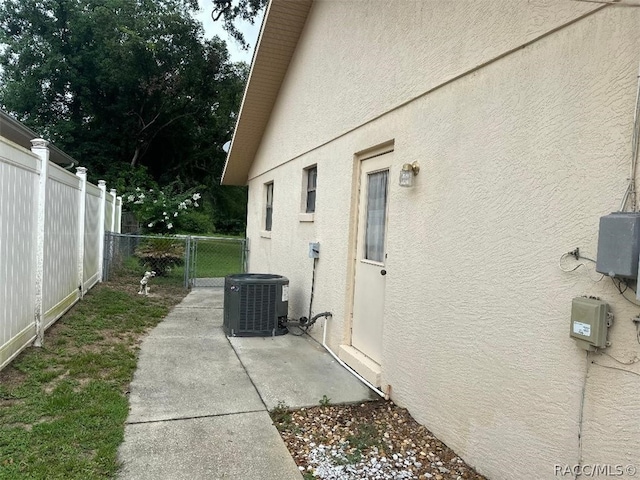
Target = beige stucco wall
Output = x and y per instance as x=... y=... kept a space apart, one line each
x=519 y=159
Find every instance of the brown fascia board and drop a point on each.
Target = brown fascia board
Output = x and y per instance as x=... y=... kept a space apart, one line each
x=20 y=134
x=281 y=29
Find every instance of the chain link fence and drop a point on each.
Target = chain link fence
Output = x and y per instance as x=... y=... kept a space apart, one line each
x=191 y=261
x=213 y=258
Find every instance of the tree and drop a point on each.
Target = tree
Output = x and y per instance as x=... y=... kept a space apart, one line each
x=229 y=11
x=123 y=84
x=115 y=81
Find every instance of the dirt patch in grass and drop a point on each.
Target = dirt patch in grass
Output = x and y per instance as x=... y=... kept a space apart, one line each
x=11 y=379
x=50 y=386
x=8 y=402
x=368 y=440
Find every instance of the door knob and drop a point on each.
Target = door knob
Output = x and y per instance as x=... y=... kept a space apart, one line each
x=383 y=272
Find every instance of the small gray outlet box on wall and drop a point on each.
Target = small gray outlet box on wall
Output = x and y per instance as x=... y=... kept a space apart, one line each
x=619 y=244
x=589 y=322
x=314 y=250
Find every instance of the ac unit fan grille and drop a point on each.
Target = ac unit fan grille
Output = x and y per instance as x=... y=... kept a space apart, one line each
x=258 y=308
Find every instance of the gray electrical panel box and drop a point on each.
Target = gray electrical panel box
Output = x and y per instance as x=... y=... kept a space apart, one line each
x=314 y=250
x=619 y=244
x=589 y=322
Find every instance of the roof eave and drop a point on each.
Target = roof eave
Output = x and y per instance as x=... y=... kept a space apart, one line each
x=20 y=134
x=281 y=28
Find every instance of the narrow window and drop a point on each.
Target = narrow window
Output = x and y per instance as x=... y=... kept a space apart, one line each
x=376 y=216
x=268 y=206
x=312 y=179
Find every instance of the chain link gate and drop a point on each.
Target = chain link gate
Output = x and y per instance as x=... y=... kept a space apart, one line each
x=210 y=259
x=191 y=261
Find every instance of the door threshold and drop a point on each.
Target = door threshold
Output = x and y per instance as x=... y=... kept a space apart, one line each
x=365 y=366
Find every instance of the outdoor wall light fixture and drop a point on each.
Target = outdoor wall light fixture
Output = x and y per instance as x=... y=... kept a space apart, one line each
x=409 y=170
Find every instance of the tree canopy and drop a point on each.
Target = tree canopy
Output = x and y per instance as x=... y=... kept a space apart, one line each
x=229 y=11
x=125 y=86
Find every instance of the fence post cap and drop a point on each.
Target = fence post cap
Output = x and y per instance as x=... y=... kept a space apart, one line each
x=102 y=183
x=82 y=170
x=39 y=143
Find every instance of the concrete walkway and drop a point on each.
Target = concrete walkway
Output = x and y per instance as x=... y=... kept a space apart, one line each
x=199 y=401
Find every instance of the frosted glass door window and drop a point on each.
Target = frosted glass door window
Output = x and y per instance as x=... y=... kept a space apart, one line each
x=376 y=216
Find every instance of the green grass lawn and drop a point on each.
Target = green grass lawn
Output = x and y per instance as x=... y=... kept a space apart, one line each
x=217 y=258
x=63 y=406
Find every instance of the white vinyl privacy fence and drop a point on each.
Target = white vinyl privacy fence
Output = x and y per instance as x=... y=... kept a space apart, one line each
x=52 y=225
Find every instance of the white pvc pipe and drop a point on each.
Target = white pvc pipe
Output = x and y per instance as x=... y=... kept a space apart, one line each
x=351 y=370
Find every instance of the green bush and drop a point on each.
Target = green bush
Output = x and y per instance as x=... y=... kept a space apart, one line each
x=160 y=254
x=195 y=222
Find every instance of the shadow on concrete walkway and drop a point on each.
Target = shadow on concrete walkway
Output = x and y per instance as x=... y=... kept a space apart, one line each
x=199 y=402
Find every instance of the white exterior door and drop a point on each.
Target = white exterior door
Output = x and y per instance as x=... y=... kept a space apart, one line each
x=370 y=273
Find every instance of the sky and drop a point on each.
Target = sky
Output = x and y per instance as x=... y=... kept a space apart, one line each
x=212 y=28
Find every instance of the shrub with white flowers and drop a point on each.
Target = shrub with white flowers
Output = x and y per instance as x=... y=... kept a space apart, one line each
x=158 y=209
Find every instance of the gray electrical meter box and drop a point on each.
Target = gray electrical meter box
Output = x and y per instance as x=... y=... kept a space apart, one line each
x=619 y=244
x=589 y=322
x=314 y=250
